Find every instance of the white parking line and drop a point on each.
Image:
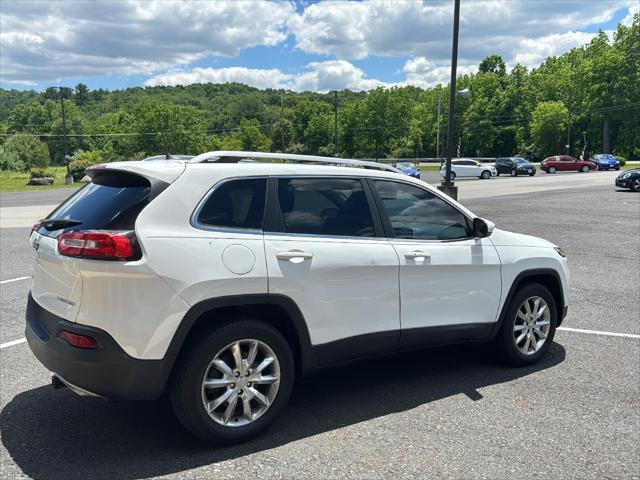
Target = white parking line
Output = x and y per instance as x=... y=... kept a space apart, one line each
x=14 y=280
x=598 y=332
x=564 y=329
x=12 y=343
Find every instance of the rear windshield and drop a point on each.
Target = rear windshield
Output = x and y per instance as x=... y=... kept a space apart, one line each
x=111 y=204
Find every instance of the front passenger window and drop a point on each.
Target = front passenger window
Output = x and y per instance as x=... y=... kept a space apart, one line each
x=418 y=214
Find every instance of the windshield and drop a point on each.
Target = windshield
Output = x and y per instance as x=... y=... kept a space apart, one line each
x=520 y=160
x=405 y=165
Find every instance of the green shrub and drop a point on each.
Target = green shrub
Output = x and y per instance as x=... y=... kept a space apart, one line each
x=81 y=160
x=10 y=161
x=39 y=172
x=622 y=160
x=24 y=152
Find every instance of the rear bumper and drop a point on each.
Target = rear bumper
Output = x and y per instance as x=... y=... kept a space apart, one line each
x=106 y=371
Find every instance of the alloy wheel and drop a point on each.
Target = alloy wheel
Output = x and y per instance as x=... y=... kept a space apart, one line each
x=240 y=383
x=531 y=326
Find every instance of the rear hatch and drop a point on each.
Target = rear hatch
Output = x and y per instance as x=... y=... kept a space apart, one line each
x=76 y=231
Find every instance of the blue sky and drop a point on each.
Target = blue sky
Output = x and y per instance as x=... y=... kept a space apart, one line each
x=319 y=46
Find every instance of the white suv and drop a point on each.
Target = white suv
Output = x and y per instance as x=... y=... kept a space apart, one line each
x=220 y=280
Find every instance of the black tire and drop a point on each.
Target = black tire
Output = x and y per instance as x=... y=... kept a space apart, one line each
x=497 y=174
x=532 y=174
x=505 y=342
x=584 y=169
x=635 y=186
x=453 y=175
x=514 y=173
x=185 y=388
x=486 y=174
x=552 y=170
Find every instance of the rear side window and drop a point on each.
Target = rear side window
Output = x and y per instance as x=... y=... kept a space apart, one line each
x=111 y=202
x=235 y=204
x=324 y=206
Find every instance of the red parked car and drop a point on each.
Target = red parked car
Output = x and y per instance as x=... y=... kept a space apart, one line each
x=563 y=163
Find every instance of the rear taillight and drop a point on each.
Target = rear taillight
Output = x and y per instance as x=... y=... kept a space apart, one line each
x=77 y=340
x=34 y=228
x=97 y=245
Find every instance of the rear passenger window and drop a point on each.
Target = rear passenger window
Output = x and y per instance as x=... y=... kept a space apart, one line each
x=324 y=206
x=235 y=204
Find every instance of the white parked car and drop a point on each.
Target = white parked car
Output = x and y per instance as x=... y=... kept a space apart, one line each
x=466 y=167
x=220 y=281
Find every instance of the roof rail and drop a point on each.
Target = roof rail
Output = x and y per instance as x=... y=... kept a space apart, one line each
x=224 y=156
x=168 y=157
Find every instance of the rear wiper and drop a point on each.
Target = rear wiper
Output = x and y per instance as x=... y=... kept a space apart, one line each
x=51 y=224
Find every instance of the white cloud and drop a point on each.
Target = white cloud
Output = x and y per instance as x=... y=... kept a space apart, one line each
x=318 y=76
x=409 y=27
x=634 y=7
x=45 y=41
x=255 y=77
x=532 y=51
x=423 y=73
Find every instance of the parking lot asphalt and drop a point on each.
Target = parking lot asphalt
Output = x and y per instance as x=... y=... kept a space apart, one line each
x=450 y=412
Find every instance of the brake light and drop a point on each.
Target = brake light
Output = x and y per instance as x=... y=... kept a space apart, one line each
x=97 y=245
x=77 y=340
x=33 y=229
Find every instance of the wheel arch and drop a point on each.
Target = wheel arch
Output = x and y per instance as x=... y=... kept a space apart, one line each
x=547 y=277
x=278 y=310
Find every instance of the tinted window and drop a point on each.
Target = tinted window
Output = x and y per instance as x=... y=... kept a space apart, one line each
x=417 y=213
x=235 y=204
x=114 y=205
x=324 y=206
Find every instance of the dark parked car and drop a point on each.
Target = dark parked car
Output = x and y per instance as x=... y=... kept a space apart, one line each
x=408 y=168
x=515 y=166
x=564 y=163
x=629 y=179
x=605 y=161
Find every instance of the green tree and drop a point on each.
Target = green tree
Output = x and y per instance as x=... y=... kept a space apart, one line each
x=25 y=152
x=548 y=127
x=493 y=64
x=247 y=137
x=81 y=96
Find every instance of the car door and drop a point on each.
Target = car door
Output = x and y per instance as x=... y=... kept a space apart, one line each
x=326 y=251
x=463 y=168
x=567 y=163
x=450 y=283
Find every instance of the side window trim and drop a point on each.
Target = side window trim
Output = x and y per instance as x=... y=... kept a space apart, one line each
x=274 y=224
x=386 y=222
x=216 y=228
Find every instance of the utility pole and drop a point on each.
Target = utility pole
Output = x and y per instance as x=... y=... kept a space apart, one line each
x=335 y=123
x=438 y=131
x=68 y=179
x=282 y=119
x=569 y=128
x=447 y=186
x=606 y=147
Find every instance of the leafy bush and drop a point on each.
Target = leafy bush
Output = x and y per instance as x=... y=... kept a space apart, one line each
x=21 y=152
x=81 y=160
x=622 y=160
x=39 y=172
x=10 y=161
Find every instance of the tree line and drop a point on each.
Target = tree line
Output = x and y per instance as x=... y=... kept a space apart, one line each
x=590 y=95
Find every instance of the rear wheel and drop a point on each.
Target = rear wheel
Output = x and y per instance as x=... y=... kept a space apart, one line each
x=529 y=325
x=635 y=186
x=453 y=175
x=532 y=174
x=514 y=173
x=552 y=170
x=233 y=382
x=485 y=174
x=584 y=169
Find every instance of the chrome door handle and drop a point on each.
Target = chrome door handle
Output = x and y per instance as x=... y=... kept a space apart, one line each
x=417 y=255
x=294 y=256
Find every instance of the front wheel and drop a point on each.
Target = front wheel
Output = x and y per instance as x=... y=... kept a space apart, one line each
x=532 y=174
x=584 y=169
x=529 y=325
x=514 y=173
x=233 y=382
x=635 y=186
x=485 y=174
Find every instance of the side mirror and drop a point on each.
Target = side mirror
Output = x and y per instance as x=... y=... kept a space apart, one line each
x=482 y=228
